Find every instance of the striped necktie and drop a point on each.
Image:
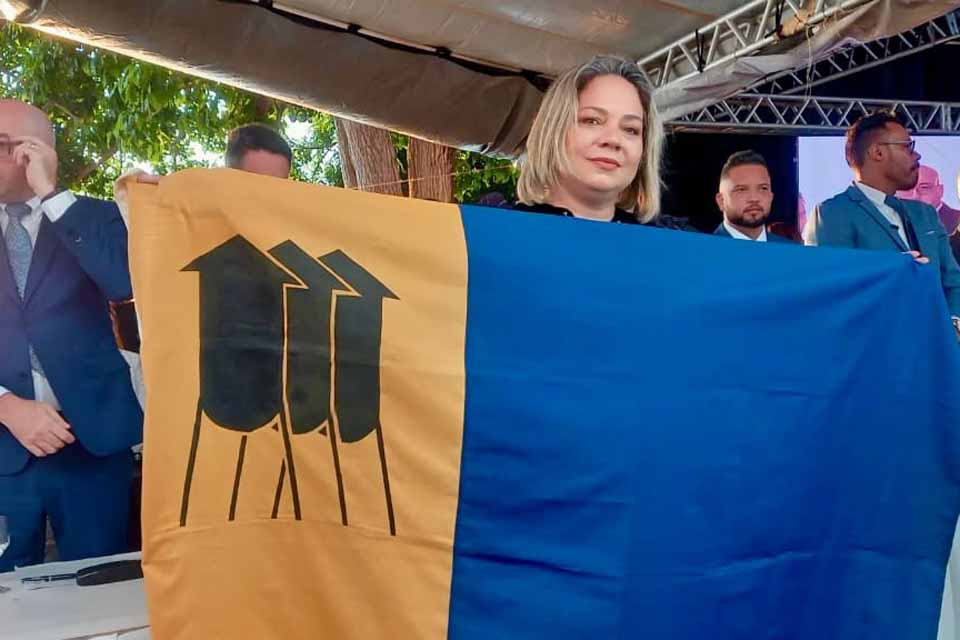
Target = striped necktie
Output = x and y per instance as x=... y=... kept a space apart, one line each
x=19 y=245
x=20 y=253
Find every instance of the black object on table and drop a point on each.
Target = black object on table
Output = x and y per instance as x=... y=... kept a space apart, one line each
x=98 y=574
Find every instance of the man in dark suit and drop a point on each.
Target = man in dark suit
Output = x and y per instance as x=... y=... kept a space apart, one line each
x=745 y=197
x=68 y=413
x=868 y=215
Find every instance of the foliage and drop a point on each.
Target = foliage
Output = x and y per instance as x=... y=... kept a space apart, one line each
x=477 y=175
x=316 y=157
x=112 y=112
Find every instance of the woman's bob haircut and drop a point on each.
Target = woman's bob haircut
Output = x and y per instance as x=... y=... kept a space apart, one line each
x=545 y=158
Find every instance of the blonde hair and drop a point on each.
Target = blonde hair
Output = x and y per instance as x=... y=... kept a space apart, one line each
x=545 y=156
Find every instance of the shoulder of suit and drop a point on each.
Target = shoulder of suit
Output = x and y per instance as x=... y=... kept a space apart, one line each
x=94 y=201
x=103 y=205
x=841 y=199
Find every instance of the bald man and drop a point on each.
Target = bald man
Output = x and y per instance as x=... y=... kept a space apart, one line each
x=929 y=189
x=68 y=412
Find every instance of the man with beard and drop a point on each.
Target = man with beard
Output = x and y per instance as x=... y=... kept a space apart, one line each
x=868 y=215
x=745 y=197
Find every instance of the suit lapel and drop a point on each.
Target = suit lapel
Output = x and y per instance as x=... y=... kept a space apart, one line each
x=854 y=193
x=43 y=254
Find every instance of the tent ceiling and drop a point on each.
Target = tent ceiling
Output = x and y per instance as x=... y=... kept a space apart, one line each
x=546 y=36
x=469 y=74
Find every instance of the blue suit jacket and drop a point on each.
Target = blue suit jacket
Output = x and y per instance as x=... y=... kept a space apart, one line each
x=771 y=237
x=850 y=219
x=79 y=264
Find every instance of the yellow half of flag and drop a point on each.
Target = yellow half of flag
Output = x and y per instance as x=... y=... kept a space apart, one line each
x=303 y=351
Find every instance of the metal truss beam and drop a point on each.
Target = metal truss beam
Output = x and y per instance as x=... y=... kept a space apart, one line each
x=754 y=26
x=766 y=113
x=862 y=56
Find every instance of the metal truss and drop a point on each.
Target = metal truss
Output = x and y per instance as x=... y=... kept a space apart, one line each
x=862 y=56
x=754 y=26
x=756 y=113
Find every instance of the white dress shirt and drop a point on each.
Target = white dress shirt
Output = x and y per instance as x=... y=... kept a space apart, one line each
x=738 y=235
x=877 y=197
x=54 y=208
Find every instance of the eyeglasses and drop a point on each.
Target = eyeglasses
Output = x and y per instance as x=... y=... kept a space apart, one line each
x=909 y=144
x=7 y=147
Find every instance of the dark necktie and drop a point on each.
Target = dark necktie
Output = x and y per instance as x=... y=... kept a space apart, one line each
x=896 y=205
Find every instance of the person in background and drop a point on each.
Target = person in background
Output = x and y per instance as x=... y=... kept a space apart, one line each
x=68 y=412
x=255 y=148
x=930 y=190
x=493 y=199
x=745 y=197
x=594 y=148
x=955 y=236
x=258 y=148
x=868 y=215
x=801 y=216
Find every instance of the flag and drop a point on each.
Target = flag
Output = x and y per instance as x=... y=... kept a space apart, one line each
x=376 y=417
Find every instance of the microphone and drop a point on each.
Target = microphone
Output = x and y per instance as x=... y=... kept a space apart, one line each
x=109 y=572
x=98 y=574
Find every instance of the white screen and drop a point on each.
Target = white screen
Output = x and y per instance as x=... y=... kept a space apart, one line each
x=824 y=171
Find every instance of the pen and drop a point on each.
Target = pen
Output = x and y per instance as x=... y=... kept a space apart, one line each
x=51 y=578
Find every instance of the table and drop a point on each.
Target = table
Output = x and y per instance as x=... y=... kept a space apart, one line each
x=68 y=612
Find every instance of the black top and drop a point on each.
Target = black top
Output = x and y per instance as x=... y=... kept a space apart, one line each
x=619 y=215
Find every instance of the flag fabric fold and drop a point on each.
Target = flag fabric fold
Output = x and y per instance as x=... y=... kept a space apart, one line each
x=373 y=417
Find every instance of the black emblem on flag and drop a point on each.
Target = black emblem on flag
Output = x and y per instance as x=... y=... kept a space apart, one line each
x=293 y=342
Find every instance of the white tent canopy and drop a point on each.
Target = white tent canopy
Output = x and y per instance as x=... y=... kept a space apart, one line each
x=468 y=74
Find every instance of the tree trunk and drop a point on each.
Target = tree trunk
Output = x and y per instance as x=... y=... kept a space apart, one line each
x=430 y=169
x=368 y=158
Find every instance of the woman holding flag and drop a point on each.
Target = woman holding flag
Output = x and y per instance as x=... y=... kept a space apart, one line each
x=594 y=148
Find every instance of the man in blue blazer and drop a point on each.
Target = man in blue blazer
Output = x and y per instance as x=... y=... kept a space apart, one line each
x=745 y=197
x=868 y=215
x=68 y=413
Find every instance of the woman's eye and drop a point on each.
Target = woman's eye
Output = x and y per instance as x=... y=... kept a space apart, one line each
x=633 y=131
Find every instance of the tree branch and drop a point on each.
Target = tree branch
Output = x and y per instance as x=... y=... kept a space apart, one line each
x=67 y=111
x=92 y=166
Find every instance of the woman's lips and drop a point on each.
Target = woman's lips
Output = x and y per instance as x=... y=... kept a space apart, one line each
x=605 y=163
